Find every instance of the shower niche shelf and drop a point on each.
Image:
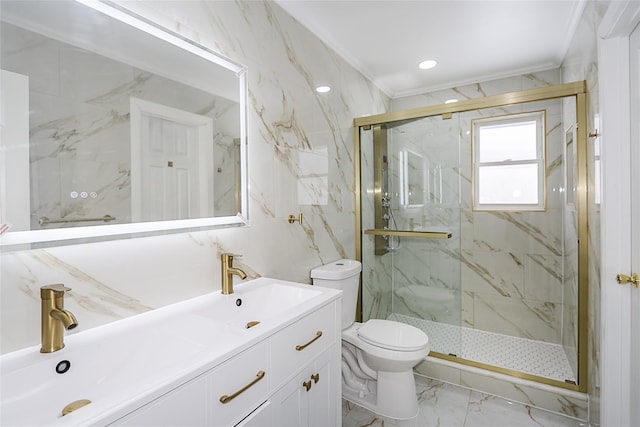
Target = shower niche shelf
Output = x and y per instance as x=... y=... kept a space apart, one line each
x=409 y=233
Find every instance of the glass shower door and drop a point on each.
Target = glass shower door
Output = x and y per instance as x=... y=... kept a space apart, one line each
x=413 y=185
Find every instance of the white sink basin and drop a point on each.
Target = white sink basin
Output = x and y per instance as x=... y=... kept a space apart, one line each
x=122 y=365
x=263 y=304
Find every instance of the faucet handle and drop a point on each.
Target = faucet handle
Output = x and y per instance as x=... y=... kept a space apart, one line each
x=230 y=255
x=53 y=290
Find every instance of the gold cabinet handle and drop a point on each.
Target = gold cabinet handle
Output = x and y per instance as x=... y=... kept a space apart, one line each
x=307 y=385
x=227 y=399
x=315 y=377
x=623 y=279
x=74 y=406
x=302 y=347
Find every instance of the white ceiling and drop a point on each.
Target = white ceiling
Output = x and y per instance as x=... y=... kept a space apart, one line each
x=472 y=40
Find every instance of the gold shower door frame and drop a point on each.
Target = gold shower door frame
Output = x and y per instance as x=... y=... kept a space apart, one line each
x=575 y=89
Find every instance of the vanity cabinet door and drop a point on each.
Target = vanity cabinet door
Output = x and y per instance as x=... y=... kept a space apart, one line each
x=310 y=398
x=288 y=410
x=321 y=397
x=187 y=405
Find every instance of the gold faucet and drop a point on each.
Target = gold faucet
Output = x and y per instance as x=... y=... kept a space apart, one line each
x=54 y=317
x=227 y=273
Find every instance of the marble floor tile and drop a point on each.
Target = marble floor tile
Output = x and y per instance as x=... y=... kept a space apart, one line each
x=441 y=404
x=447 y=405
x=486 y=410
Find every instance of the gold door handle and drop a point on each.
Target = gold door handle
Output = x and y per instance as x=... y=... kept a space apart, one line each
x=302 y=347
x=623 y=279
x=315 y=378
x=227 y=399
x=307 y=385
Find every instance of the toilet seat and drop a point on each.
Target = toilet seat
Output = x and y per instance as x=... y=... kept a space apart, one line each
x=392 y=335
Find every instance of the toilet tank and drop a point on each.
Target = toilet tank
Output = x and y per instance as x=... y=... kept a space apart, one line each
x=343 y=274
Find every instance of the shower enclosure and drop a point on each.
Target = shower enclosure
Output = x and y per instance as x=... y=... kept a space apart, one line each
x=472 y=227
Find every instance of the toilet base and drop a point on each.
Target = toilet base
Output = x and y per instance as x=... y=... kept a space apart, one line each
x=394 y=397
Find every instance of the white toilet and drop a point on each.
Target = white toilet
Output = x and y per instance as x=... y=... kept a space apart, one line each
x=378 y=356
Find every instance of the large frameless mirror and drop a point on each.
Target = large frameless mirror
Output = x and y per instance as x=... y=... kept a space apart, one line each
x=113 y=126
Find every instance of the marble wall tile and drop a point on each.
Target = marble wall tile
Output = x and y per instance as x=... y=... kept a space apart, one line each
x=543 y=278
x=287 y=121
x=493 y=273
x=479 y=90
x=519 y=232
x=467 y=310
x=537 y=320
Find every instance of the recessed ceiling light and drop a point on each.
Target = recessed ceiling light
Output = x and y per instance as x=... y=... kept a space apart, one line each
x=450 y=101
x=429 y=63
x=323 y=89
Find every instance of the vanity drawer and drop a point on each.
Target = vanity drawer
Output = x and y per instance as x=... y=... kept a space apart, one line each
x=296 y=345
x=243 y=382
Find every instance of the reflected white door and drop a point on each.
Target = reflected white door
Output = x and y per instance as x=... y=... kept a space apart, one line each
x=634 y=56
x=14 y=151
x=171 y=163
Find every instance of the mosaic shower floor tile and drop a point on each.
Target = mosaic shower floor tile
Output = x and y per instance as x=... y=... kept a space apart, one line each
x=520 y=354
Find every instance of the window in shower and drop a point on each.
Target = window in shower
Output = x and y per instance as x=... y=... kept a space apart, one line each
x=508 y=157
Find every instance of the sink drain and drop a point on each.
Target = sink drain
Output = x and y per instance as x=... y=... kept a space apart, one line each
x=63 y=366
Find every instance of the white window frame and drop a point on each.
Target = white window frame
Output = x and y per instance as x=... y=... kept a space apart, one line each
x=540 y=118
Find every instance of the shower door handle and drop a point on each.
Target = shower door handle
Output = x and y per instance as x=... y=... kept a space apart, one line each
x=623 y=279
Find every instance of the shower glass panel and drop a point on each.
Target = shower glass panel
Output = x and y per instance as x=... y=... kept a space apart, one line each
x=413 y=186
x=501 y=289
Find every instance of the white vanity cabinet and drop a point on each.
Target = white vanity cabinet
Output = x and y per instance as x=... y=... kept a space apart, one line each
x=289 y=378
x=198 y=402
x=308 y=365
x=185 y=406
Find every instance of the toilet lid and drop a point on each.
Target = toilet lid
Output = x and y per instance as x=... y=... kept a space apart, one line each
x=392 y=335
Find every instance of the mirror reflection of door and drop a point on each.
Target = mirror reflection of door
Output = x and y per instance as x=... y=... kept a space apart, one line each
x=412 y=176
x=171 y=163
x=14 y=150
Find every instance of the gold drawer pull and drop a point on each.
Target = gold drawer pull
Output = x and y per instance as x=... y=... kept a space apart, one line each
x=227 y=399
x=302 y=347
x=307 y=385
x=315 y=377
x=74 y=406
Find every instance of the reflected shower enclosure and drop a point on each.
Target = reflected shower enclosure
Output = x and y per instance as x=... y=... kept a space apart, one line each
x=469 y=228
